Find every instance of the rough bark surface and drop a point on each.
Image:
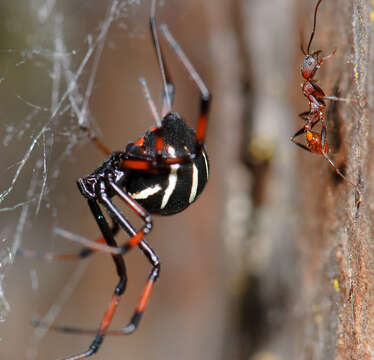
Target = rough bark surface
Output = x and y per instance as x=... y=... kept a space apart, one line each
x=312 y=296
x=346 y=251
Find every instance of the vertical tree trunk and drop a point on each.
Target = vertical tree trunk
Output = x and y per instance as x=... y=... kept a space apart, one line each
x=309 y=292
x=337 y=233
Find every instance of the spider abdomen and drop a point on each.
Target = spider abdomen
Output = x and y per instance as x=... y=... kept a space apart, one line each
x=170 y=192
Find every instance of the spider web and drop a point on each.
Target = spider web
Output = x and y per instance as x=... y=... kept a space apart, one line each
x=46 y=85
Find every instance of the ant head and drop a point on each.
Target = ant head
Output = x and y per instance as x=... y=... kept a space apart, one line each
x=311 y=62
x=310 y=65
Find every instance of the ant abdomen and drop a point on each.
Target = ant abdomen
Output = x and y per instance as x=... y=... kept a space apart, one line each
x=314 y=141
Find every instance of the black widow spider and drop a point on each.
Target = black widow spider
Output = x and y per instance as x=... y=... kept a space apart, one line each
x=162 y=173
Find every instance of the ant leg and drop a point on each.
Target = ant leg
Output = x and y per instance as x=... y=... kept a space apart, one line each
x=302 y=131
x=301 y=145
x=323 y=59
x=343 y=176
x=304 y=147
x=306 y=116
x=205 y=97
x=325 y=155
x=334 y=98
x=327 y=56
x=323 y=137
x=298 y=133
x=316 y=96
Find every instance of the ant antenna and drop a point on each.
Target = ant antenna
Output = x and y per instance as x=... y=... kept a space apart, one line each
x=314 y=26
x=150 y=102
x=159 y=54
x=301 y=37
x=302 y=49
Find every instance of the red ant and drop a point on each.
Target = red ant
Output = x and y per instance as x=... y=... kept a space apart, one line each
x=316 y=142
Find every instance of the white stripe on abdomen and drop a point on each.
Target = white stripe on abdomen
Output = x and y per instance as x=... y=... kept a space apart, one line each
x=195 y=182
x=172 y=182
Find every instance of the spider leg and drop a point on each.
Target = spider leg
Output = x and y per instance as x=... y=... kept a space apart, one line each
x=118 y=218
x=151 y=166
x=168 y=86
x=104 y=149
x=205 y=97
x=142 y=162
x=118 y=291
x=139 y=310
x=150 y=102
x=152 y=278
x=136 y=239
x=82 y=254
x=170 y=94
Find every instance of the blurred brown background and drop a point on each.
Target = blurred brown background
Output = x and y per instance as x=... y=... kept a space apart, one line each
x=272 y=262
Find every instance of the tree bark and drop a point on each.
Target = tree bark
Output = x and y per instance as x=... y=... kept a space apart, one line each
x=338 y=233
x=309 y=291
